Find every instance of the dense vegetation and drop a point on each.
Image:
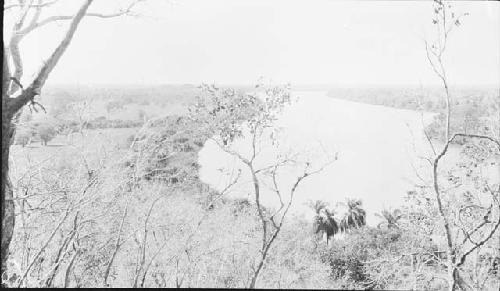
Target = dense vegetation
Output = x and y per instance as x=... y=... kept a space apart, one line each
x=139 y=216
x=95 y=212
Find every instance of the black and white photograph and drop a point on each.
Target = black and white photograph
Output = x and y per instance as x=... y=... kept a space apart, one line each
x=251 y=144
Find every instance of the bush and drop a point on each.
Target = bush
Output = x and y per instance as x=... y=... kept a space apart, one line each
x=363 y=258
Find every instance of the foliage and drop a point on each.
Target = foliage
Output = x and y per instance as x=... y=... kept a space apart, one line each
x=355 y=216
x=192 y=226
x=469 y=198
x=46 y=131
x=390 y=218
x=59 y=101
x=324 y=220
x=474 y=109
x=373 y=258
x=469 y=117
x=181 y=232
x=226 y=115
x=167 y=153
x=223 y=111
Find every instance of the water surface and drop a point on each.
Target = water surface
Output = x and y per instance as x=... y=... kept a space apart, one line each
x=378 y=153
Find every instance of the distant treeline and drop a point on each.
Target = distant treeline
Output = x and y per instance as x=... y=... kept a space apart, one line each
x=160 y=95
x=428 y=99
x=102 y=122
x=473 y=110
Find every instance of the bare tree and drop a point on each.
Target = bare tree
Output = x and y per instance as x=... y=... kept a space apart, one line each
x=482 y=227
x=229 y=115
x=272 y=224
x=15 y=96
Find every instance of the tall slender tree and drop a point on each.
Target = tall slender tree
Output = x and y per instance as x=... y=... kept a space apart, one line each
x=462 y=238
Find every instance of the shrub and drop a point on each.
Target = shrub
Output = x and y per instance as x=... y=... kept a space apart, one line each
x=349 y=256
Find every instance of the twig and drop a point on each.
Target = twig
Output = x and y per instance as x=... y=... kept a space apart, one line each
x=44 y=246
x=115 y=251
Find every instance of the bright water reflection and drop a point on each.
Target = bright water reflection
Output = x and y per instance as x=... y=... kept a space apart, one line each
x=378 y=151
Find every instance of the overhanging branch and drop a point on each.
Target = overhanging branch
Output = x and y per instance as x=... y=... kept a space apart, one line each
x=35 y=25
x=34 y=88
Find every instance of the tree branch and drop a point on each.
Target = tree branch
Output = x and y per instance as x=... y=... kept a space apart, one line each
x=43 y=247
x=35 y=87
x=479 y=244
x=40 y=5
x=115 y=251
x=35 y=25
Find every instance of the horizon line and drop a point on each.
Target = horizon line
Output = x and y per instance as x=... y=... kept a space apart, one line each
x=330 y=85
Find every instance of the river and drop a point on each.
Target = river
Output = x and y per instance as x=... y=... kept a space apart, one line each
x=378 y=150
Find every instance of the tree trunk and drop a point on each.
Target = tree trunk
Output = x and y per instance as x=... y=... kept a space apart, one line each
x=453 y=280
x=256 y=274
x=456 y=282
x=6 y=188
x=11 y=106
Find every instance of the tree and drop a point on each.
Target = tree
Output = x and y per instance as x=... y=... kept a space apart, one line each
x=467 y=223
x=390 y=218
x=46 y=131
x=225 y=116
x=15 y=96
x=81 y=112
x=355 y=216
x=324 y=220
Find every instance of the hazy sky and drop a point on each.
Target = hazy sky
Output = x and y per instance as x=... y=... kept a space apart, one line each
x=303 y=42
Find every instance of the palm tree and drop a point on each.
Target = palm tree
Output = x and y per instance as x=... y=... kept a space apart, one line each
x=390 y=217
x=317 y=205
x=355 y=216
x=324 y=220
